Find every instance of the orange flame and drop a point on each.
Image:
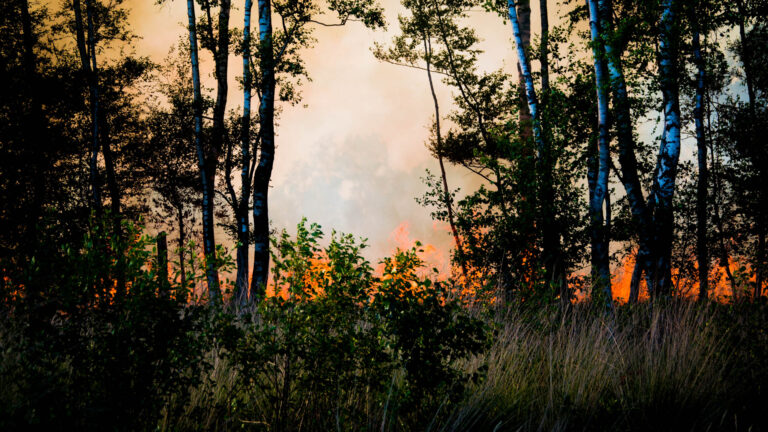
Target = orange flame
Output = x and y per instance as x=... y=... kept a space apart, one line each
x=431 y=255
x=721 y=288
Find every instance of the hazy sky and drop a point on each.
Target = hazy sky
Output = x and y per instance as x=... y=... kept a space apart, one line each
x=352 y=159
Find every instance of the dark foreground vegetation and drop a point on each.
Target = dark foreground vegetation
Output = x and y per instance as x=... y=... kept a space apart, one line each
x=88 y=345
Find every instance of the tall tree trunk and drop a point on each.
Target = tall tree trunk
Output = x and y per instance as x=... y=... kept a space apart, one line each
x=447 y=199
x=103 y=139
x=219 y=133
x=109 y=164
x=85 y=66
x=717 y=188
x=551 y=234
x=530 y=180
x=243 y=227
x=746 y=59
x=544 y=53
x=220 y=52
x=266 y=153
x=702 y=250
x=669 y=153
x=543 y=158
x=626 y=144
x=599 y=234
x=206 y=179
x=35 y=128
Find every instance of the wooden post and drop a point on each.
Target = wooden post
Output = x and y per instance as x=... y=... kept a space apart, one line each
x=162 y=259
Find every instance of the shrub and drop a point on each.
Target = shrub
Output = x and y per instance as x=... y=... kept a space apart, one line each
x=93 y=339
x=344 y=348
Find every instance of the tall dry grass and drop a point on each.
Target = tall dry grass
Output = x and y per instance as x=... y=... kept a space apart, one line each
x=649 y=367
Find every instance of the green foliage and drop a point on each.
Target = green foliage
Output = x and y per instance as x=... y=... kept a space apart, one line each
x=92 y=339
x=428 y=332
x=341 y=333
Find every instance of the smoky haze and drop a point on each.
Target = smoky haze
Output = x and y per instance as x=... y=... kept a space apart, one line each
x=351 y=155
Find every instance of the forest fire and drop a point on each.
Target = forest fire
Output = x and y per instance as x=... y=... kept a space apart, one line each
x=155 y=156
x=434 y=258
x=435 y=265
x=722 y=287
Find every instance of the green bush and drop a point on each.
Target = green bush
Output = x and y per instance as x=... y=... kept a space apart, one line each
x=346 y=349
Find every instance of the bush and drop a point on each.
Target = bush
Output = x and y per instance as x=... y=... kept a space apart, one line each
x=92 y=338
x=344 y=348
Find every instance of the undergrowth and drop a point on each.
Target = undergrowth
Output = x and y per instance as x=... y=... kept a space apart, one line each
x=93 y=342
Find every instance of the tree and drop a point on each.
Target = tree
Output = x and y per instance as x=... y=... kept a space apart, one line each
x=278 y=53
x=172 y=164
x=702 y=248
x=208 y=152
x=543 y=158
x=669 y=152
x=87 y=47
x=600 y=167
x=243 y=226
x=414 y=48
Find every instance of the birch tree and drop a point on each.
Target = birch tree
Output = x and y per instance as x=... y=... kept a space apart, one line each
x=241 y=203
x=203 y=163
x=278 y=53
x=669 y=153
x=551 y=259
x=600 y=235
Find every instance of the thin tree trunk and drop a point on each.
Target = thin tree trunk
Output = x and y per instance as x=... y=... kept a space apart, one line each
x=626 y=145
x=109 y=165
x=528 y=184
x=93 y=102
x=35 y=126
x=162 y=260
x=544 y=53
x=219 y=133
x=550 y=237
x=243 y=226
x=266 y=153
x=669 y=153
x=746 y=58
x=599 y=233
x=717 y=189
x=702 y=251
x=447 y=200
x=206 y=180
